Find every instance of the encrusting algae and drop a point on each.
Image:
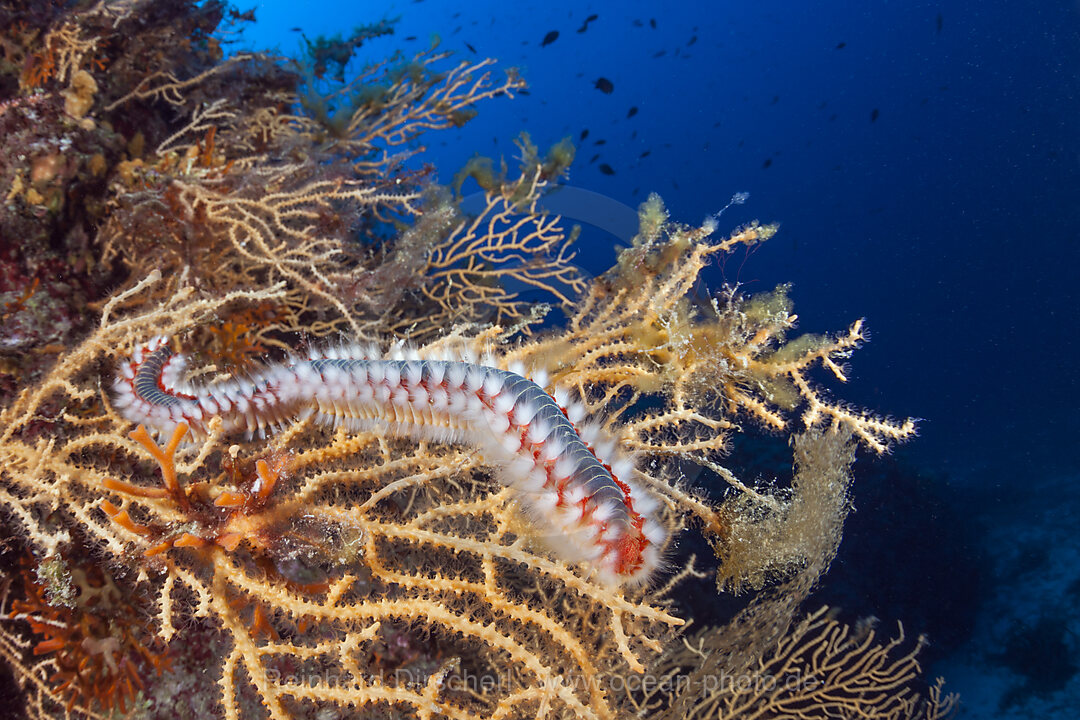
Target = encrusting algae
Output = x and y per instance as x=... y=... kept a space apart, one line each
x=334 y=561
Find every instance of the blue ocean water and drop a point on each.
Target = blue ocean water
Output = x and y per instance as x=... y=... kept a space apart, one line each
x=924 y=161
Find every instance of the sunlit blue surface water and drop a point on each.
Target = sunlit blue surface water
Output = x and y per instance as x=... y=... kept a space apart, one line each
x=924 y=161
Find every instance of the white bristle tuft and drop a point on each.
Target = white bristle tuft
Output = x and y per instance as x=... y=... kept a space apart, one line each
x=474 y=378
x=493 y=383
x=553 y=448
x=538 y=431
x=510 y=443
x=524 y=412
x=376 y=373
x=646 y=504
x=544 y=503
x=564 y=467
x=457 y=403
x=574 y=495
x=365 y=393
x=653 y=532
x=604 y=447
x=604 y=512
x=622 y=467
x=589 y=433
x=382 y=393
x=503 y=403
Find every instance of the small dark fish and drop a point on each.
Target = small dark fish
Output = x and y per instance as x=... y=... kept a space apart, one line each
x=832 y=117
x=940 y=22
x=604 y=85
x=295 y=30
x=633 y=135
x=594 y=158
x=645 y=154
x=585 y=25
x=652 y=23
x=874 y=114
x=693 y=39
x=600 y=142
x=584 y=134
x=631 y=112
x=767 y=163
x=659 y=53
x=775 y=99
x=638 y=23
x=523 y=91
x=550 y=38
x=471 y=48
x=410 y=38
x=841 y=45
x=606 y=169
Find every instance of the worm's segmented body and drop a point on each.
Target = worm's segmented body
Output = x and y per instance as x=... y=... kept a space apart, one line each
x=577 y=485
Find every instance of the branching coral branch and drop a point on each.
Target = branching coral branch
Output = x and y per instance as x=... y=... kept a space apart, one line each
x=471 y=272
x=329 y=571
x=822 y=669
x=635 y=335
x=164 y=85
x=391 y=105
x=64 y=53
